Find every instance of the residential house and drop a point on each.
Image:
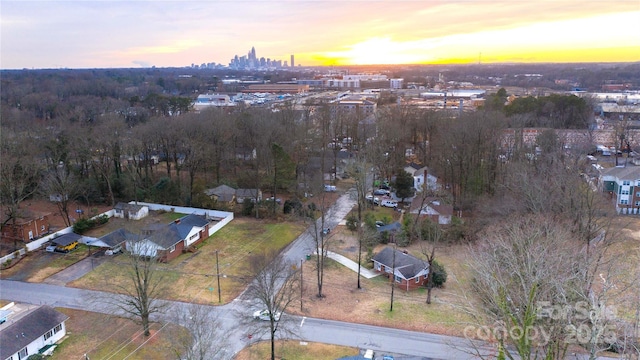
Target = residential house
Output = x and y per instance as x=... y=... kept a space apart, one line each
x=130 y=211
x=406 y=270
x=411 y=168
x=433 y=208
x=248 y=194
x=623 y=185
x=222 y=194
x=114 y=240
x=27 y=227
x=423 y=178
x=29 y=330
x=166 y=242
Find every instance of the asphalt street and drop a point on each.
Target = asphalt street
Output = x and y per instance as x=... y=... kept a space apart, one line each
x=377 y=338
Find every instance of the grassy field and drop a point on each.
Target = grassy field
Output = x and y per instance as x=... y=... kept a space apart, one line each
x=295 y=350
x=192 y=276
x=108 y=337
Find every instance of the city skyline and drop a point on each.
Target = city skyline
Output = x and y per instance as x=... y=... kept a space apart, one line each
x=103 y=34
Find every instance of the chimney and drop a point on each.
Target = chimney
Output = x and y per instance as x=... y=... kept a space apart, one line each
x=177 y=221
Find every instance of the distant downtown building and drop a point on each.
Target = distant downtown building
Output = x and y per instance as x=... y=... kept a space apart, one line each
x=251 y=61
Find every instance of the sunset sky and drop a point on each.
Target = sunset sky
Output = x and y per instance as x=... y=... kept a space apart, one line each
x=140 y=33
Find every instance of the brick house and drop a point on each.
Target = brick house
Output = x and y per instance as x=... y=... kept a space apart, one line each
x=166 y=242
x=408 y=271
x=27 y=227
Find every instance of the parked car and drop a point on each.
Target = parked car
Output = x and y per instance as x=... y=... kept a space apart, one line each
x=381 y=192
x=380 y=223
x=389 y=203
x=264 y=315
x=51 y=248
x=115 y=250
x=326 y=231
x=329 y=188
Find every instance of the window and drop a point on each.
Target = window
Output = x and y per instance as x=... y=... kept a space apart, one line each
x=418 y=280
x=22 y=354
x=48 y=334
x=194 y=236
x=624 y=202
x=624 y=192
x=57 y=328
x=638 y=194
x=397 y=278
x=626 y=183
x=378 y=267
x=637 y=203
x=172 y=249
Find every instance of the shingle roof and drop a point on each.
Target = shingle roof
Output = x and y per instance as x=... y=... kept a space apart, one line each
x=245 y=193
x=28 y=328
x=66 y=239
x=128 y=207
x=177 y=230
x=406 y=264
x=224 y=193
x=117 y=237
x=393 y=227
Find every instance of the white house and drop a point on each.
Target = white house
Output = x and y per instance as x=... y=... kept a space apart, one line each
x=29 y=329
x=419 y=177
x=130 y=211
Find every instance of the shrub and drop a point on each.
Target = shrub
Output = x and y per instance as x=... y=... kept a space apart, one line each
x=352 y=223
x=439 y=276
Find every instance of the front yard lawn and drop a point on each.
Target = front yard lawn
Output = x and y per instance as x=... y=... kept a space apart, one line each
x=192 y=276
x=295 y=350
x=101 y=336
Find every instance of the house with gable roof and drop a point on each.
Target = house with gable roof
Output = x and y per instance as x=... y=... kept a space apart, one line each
x=130 y=211
x=406 y=270
x=433 y=208
x=29 y=330
x=166 y=242
x=222 y=194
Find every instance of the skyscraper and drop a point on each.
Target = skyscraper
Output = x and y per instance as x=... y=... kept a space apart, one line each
x=293 y=64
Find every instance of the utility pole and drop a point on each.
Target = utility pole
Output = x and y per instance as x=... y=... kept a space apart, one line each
x=301 y=287
x=218 y=274
x=393 y=273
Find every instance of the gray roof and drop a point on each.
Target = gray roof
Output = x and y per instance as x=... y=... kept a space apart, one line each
x=409 y=266
x=224 y=193
x=66 y=239
x=247 y=193
x=630 y=172
x=393 y=227
x=177 y=230
x=28 y=328
x=128 y=207
x=117 y=237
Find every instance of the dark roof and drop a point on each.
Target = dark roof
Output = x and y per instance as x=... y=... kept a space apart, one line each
x=128 y=207
x=406 y=264
x=66 y=239
x=28 y=328
x=224 y=193
x=117 y=237
x=247 y=193
x=177 y=230
x=393 y=227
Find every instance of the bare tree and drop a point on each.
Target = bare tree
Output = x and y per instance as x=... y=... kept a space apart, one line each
x=144 y=284
x=275 y=287
x=358 y=171
x=520 y=266
x=202 y=339
x=62 y=186
x=19 y=178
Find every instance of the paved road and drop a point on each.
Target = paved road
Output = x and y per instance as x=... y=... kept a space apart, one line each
x=308 y=329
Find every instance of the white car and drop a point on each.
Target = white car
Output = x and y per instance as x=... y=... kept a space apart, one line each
x=264 y=315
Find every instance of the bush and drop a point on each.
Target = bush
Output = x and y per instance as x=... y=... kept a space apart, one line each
x=291 y=206
x=83 y=225
x=352 y=223
x=439 y=276
x=247 y=207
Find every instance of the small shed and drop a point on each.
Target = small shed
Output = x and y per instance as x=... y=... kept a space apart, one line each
x=130 y=211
